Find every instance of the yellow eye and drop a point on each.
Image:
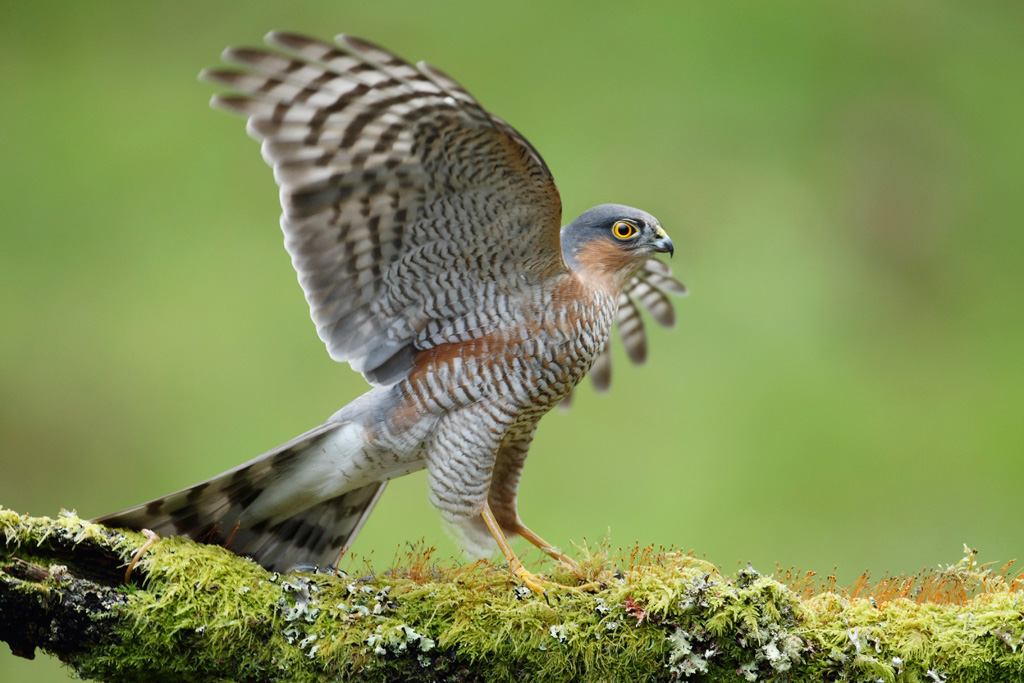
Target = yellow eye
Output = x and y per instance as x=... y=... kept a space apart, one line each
x=623 y=230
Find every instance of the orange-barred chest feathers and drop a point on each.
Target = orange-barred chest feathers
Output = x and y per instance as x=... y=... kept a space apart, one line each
x=530 y=365
x=606 y=266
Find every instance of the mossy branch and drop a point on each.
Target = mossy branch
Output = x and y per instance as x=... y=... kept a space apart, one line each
x=198 y=613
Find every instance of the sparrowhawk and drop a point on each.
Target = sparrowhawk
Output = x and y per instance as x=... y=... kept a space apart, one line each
x=426 y=236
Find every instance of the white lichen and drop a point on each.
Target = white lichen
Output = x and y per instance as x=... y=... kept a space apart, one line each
x=398 y=640
x=684 y=660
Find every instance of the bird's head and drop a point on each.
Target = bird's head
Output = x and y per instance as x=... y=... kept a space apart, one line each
x=607 y=244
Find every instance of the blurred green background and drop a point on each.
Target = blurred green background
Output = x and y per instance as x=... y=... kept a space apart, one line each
x=843 y=183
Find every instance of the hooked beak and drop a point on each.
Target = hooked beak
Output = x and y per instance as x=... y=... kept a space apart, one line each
x=663 y=244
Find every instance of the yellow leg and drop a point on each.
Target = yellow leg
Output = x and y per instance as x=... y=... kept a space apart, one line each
x=531 y=580
x=548 y=548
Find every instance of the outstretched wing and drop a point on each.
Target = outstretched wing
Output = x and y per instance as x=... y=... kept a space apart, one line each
x=650 y=288
x=406 y=204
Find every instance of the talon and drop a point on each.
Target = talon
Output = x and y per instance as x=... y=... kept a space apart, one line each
x=151 y=538
x=536 y=583
x=530 y=580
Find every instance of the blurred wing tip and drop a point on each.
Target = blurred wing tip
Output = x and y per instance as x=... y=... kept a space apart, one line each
x=283 y=38
x=255 y=128
x=225 y=77
x=669 y=285
x=429 y=69
x=300 y=44
x=236 y=55
x=356 y=44
x=658 y=266
x=234 y=104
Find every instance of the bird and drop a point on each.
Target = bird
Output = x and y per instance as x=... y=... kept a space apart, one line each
x=426 y=235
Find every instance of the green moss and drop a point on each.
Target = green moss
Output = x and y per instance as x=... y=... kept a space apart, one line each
x=202 y=613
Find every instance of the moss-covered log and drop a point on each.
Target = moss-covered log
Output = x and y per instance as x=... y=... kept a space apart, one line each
x=198 y=613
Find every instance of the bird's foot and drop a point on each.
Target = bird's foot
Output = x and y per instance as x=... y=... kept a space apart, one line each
x=578 y=571
x=531 y=581
x=539 y=584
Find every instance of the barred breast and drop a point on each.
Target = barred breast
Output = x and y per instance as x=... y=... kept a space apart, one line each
x=526 y=367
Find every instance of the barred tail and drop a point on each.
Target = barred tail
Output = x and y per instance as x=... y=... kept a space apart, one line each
x=285 y=509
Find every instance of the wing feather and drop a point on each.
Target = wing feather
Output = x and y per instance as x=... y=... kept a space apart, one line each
x=601 y=370
x=631 y=330
x=650 y=288
x=406 y=205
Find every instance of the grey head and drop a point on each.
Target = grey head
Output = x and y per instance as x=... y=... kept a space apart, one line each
x=613 y=237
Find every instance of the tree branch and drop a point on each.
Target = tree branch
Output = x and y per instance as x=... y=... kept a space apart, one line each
x=198 y=613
